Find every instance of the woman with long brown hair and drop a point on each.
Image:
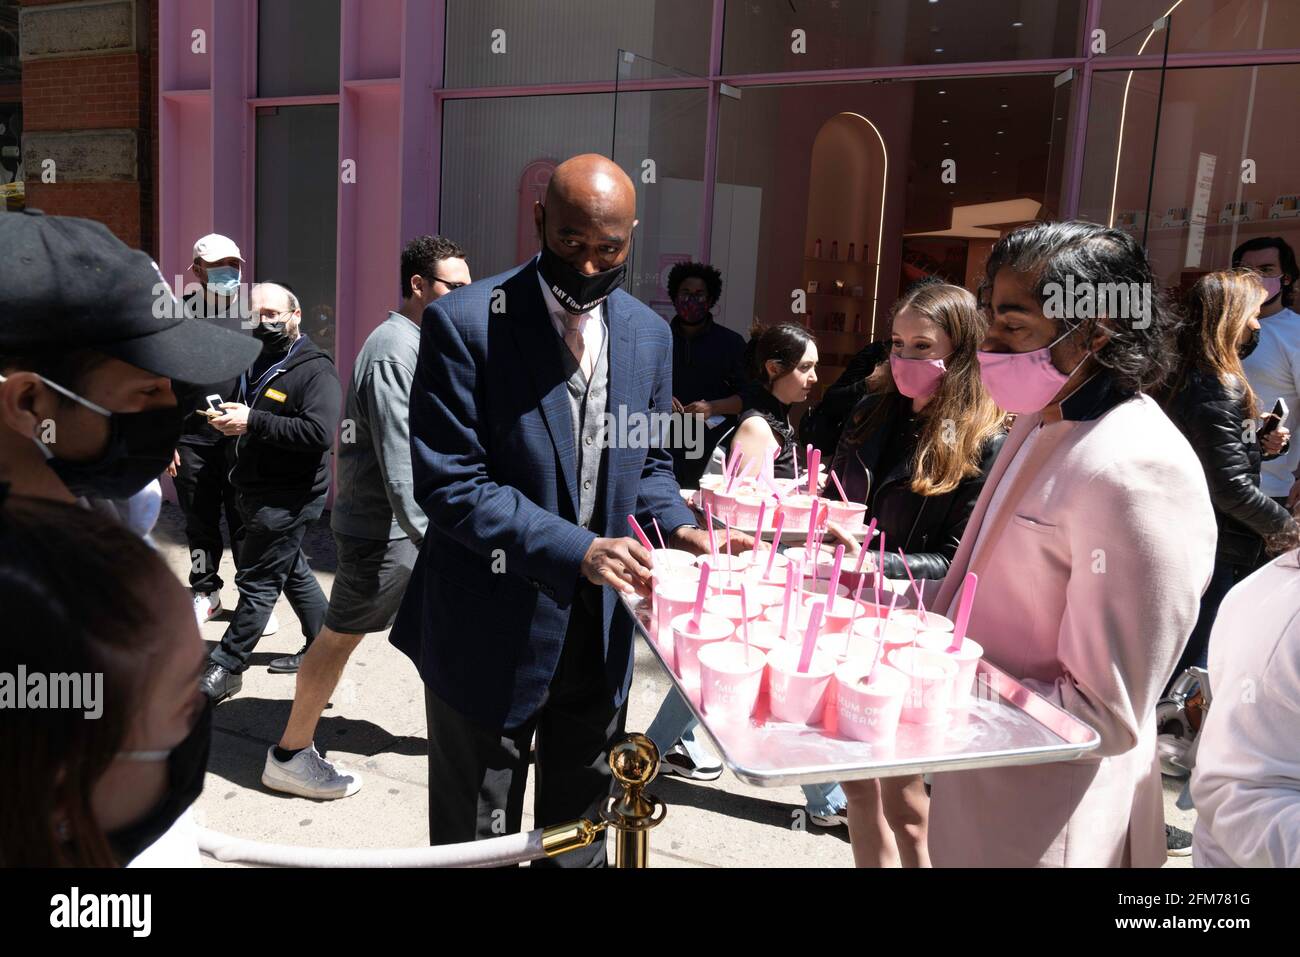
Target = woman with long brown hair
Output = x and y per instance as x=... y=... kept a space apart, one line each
x=1214 y=406
x=916 y=451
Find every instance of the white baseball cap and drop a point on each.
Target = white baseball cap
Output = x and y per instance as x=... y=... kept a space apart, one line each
x=214 y=247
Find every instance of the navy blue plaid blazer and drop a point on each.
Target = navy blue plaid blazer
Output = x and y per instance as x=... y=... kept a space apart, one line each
x=494 y=462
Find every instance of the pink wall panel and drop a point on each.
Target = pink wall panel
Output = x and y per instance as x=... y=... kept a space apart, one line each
x=373 y=265
x=182 y=68
x=186 y=175
x=379 y=41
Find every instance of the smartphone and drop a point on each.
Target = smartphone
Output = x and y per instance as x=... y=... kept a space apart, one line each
x=1275 y=417
x=213 y=411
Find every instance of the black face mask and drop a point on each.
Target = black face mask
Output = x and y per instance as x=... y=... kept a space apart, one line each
x=186 y=765
x=1247 y=347
x=576 y=291
x=274 y=336
x=139 y=449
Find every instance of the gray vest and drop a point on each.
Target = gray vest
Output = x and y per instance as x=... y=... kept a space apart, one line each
x=587 y=402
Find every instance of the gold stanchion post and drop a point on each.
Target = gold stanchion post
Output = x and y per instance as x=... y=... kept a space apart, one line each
x=634 y=762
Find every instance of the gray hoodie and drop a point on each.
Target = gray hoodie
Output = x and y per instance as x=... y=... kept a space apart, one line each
x=375 y=496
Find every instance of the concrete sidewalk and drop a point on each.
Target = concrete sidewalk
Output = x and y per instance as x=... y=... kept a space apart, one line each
x=376 y=725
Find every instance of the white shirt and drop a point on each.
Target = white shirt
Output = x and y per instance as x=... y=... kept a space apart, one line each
x=1246 y=784
x=1273 y=371
x=590 y=323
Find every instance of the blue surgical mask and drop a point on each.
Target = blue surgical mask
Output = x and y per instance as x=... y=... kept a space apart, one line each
x=223 y=280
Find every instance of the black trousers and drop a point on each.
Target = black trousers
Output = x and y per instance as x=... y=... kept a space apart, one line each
x=203 y=491
x=477 y=776
x=272 y=561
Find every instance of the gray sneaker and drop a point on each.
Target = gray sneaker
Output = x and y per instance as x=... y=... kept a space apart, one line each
x=308 y=775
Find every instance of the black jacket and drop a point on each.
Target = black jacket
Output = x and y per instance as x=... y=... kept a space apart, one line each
x=1212 y=417
x=295 y=412
x=823 y=423
x=927 y=528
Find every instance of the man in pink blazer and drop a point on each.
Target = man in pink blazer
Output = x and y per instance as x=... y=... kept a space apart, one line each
x=1093 y=540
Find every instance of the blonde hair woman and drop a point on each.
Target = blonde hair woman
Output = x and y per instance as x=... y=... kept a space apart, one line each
x=916 y=451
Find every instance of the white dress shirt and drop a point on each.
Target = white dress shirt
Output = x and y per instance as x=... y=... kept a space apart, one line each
x=591 y=324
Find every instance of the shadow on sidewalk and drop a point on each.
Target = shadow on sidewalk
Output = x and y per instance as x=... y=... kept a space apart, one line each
x=675 y=792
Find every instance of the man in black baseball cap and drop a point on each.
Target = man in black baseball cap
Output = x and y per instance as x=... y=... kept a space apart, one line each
x=91 y=342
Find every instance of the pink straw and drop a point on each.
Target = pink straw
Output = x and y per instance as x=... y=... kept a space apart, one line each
x=866 y=547
x=968 y=586
x=835 y=578
x=640 y=533
x=814 y=460
x=658 y=534
x=780 y=496
x=744 y=621
x=812 y=530
x=713 y=541
x=729 y=568
x=857 y=593
x=880 y=572
x=810 y=638
x=740 y=456
x=880 y=644
x=920 y=596
x=700 y=593
x=791 y=571
x=730 y=465
x=780 y=525
x=762 y=514
x=839 y=488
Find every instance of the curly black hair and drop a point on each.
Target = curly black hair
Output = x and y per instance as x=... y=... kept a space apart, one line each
x=1139 y=355
x=420 y=256
x=683 y=271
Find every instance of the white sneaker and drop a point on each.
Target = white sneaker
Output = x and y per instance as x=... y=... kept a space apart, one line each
x=207 y=605
x=272 y=625
x=308 y=775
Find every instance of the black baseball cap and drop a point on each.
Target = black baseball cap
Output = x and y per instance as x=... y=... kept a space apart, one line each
x=70 y=283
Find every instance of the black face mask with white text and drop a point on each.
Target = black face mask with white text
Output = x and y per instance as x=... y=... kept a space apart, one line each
x=574 y=290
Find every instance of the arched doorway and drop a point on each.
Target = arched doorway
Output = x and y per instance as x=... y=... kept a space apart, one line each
x=845 y=228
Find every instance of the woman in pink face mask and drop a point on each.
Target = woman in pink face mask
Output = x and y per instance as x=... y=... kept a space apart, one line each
x=1093 y=540
x=916 y=451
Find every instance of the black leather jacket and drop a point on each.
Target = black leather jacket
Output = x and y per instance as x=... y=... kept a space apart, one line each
x=1212 y=418
x=927 y=528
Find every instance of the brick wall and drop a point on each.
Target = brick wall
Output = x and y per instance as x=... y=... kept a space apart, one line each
x=89 y=103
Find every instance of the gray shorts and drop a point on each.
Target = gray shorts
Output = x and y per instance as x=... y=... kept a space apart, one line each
x=369 y=583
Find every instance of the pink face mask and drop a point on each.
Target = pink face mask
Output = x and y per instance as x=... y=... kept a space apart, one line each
x=1023 y=382
x=1272 y=286
x=916 y=378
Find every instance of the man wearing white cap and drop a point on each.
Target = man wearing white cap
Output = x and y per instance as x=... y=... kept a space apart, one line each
x=204 y=456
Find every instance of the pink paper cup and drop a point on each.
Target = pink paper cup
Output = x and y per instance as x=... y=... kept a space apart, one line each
x=968 y=661
x=798 y=618
x=823 y=586
x=869 y=712
x=745 y=511
x=670 y=598
x=729 y=607
x=670 y=558
x=838 y=613
x=758 y=562
x=687 y=643
x=931 y=676
x=722 y=562
x=730 y=678
x=797 y=510
x=724 y=505
x=931 y=621
x=763 y=634
x=798 y=697
x=845 y=646
x=765 y=595
x=847 y=515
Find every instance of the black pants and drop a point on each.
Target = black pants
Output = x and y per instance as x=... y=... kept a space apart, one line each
x=203 y=490
x=271 y=561
x=477 y=776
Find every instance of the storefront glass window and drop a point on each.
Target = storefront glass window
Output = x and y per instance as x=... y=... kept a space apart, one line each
x=508 y=43
x=297 y=209
x=1206 y=25
x=764 y=36
x=298 y=47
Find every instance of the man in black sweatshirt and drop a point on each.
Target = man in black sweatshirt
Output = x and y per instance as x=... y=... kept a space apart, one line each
x=284 y=422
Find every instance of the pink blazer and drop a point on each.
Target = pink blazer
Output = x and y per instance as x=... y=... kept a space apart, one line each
x=1091 y=574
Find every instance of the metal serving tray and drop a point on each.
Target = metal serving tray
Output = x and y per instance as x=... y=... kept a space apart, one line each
x=1007 y=725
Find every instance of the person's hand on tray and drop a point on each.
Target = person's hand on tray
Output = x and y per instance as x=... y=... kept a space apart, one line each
x=696 y=540
x=836 y=533
x=621 y=563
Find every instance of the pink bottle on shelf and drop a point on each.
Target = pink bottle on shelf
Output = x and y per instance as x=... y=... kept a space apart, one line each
x=817 y=249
